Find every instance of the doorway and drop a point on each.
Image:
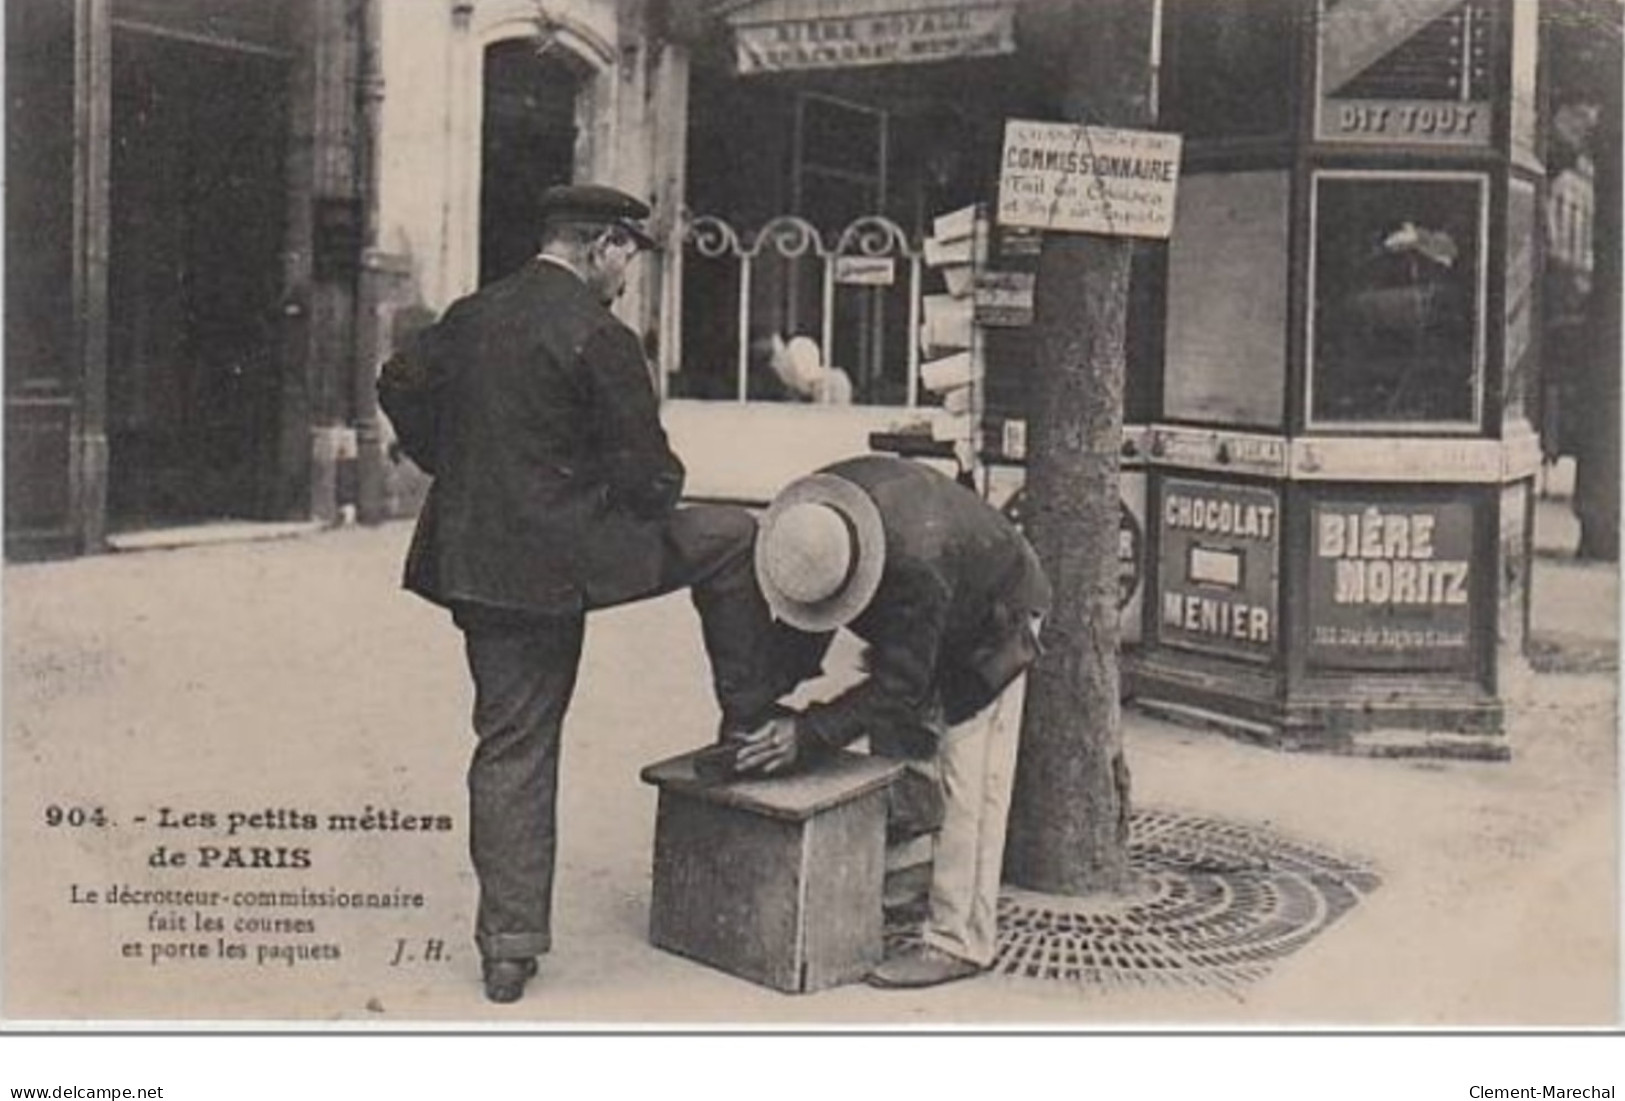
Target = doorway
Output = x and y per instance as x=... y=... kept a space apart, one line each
x=527 y=144
x=197 y=221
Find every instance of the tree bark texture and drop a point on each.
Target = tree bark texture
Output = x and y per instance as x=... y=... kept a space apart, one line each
x=1068 y=831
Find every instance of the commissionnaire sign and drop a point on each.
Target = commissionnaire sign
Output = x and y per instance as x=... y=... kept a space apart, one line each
x=839 y=41
x=1088 y=179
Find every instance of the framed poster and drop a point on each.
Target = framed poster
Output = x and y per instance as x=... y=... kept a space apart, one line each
x=1225 y=359
x=1406 y=71
x=1397 y=290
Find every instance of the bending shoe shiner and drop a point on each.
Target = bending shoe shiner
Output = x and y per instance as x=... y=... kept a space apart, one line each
x=950 y=598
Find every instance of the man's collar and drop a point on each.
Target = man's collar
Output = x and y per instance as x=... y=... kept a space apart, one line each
x=560 y=262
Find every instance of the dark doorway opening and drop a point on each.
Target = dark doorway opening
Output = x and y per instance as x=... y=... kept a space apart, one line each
x=528 y=139
x=198 y=212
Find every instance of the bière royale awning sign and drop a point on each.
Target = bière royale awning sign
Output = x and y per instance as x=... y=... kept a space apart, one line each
x=838 y=40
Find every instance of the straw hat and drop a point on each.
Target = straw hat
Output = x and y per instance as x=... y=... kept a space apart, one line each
x=820 y=552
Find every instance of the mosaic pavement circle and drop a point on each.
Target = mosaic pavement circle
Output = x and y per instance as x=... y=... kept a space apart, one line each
x=1215 y=904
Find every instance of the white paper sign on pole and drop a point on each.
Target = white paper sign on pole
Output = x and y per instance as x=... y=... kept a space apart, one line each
x=947 y=321
x=959 y=399
x=948 y=373
x=940 y=253
x=954 y=225
x=959 y=279
x=1088 y=179
x=952 y=426
x=1004 y=298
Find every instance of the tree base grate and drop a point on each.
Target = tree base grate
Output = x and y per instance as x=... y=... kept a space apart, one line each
x=1214 y=904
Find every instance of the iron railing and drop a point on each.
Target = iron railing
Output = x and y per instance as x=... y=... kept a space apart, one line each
x=796 y=240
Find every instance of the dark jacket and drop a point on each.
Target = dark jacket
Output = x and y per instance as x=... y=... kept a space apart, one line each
x=553 y=477
x=952 y=622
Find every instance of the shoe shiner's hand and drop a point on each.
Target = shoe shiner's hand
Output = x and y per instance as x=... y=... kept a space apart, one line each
x=770 y=748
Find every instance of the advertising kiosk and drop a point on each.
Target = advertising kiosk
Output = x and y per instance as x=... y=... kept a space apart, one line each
x=1341 y=472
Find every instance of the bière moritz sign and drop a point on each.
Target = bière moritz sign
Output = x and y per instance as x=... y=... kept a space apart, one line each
x=1391 y=585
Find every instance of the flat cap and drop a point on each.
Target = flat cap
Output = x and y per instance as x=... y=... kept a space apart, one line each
x=595 y=204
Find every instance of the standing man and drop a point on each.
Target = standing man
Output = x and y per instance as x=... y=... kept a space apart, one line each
x=950 y=597
x=555 y=493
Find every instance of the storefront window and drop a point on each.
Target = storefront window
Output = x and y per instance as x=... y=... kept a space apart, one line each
x=840 y=161
x=1227 y=300
x=795 y=283
x=809 y=198
x=784 y=312
x=1398 y=280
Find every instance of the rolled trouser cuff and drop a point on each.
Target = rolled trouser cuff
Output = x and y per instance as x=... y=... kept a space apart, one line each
x=512 y=946
x=957 y=948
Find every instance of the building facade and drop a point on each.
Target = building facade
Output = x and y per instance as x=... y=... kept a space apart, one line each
x=180 y=282
x=1341 y=333
x=220 y=216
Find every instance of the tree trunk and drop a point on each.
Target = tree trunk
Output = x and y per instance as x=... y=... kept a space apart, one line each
x=1596 y=478
x=1068 y=831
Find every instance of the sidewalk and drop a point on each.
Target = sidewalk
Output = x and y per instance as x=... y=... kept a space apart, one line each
x=295 y=675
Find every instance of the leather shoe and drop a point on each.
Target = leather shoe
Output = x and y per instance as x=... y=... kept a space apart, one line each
x=919 y=966
x=505 y=979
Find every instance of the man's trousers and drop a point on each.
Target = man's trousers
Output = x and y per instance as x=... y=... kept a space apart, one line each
x=965 y=786
x=524 y=671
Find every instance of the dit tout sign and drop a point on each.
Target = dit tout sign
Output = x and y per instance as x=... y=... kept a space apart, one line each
x=1088 y=179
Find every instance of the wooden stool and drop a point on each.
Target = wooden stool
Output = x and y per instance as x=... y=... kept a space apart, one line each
x=774 y=880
